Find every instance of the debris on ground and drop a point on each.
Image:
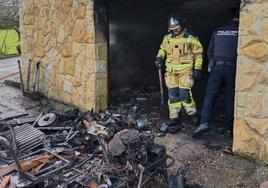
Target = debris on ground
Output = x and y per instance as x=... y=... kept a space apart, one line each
x=115 y=148
x=81 y=149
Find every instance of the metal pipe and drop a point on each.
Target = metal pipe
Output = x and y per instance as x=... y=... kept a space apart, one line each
x=28 y=74
x=21 y=79
x=38 y=75
x=40 y=115
x=37 y=71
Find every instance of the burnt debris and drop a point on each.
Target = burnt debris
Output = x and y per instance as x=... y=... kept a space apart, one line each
x=81 y=149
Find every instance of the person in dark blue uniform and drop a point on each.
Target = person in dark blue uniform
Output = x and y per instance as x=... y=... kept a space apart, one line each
x=222 y=53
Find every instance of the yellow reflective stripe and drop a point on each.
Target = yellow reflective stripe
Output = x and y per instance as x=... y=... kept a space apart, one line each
x=191 y=104
x=195 y=42
x=161 y=53
x=179 y=67
x=199 y=61
x=174 y=105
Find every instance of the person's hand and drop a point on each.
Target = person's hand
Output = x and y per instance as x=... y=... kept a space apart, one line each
x=197 y=74
x=158 y=62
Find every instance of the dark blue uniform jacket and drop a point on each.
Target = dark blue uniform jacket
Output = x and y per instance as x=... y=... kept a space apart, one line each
x=223 y=44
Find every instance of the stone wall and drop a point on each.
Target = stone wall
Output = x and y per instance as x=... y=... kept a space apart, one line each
x=251 y=105
x=66 y=38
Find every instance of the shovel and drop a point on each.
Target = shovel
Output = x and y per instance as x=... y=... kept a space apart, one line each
x=161 y=87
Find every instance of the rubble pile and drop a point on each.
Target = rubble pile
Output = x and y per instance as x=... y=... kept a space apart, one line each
x=80 y=149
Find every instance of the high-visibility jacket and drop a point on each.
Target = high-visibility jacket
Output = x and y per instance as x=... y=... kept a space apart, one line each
x=183 y=52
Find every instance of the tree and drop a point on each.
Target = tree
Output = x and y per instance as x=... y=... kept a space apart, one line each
x=9 y=15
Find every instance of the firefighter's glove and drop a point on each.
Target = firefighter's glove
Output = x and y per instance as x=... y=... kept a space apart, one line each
x=158 y=62
x=197 y=74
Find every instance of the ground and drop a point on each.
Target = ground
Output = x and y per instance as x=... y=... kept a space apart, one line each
x=8 y=44
x=8 y=67
x=207 y=162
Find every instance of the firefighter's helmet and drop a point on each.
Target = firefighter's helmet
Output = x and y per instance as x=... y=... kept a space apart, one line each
x=175 y=22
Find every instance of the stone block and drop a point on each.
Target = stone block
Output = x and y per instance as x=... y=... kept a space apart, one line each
x=261 y=1
x=29 y=44
x=246 y=74
x=102 y=102
x=53 y=54
x=265 y=106
x=77 y=47
x=90 y=16
x=76 y=82
x=52 y=43
x=29 y=31
x=246 y=141
x=69 y=65
x=77 y=99
x=101 y=66
x=265 y=152
x=54 y=30
x=90 y=53
x=58 y=3
x=89 y=104
x=259 y=125
x=102 y=87
x=67 y=86
x=79 y=30
x=247 y=20
x=102 y=51
x=90 y=87
x=88 y=36
x=39 y=24
x=39 y=51
x=254 y=105
x=60 y=17
x=241 y=100
x=44 y=13
x=61 y=34
x=40 y=39
x=239 y=112
x=256 y=50
x=66 y=6
x=66 y=50
x=265 y=28
x=28 y=19
x=80 y=12
x=48 y=72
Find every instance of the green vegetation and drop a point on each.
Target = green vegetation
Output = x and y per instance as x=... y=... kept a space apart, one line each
x=8 y=41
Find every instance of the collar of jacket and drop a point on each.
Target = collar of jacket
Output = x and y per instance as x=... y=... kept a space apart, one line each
x=180 y=35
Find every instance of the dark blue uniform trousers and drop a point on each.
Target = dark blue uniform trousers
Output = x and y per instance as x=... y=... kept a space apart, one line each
x=220 y=76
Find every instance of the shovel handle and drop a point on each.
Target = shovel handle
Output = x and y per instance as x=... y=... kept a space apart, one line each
x=161 y=86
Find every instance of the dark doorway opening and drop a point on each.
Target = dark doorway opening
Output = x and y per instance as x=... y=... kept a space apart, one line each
x=136 y=30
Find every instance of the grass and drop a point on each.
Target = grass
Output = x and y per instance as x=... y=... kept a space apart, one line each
x=12 y=40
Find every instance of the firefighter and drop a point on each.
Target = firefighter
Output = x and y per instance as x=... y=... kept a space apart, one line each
x=182 y=53
x=222 y=52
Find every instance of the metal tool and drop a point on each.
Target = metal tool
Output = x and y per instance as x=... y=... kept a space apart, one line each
x=36 y=78
x=21 y=79
x=37 y=119
x=161 y=87
x=142 y=169
x=28 y=75
x=73 y=135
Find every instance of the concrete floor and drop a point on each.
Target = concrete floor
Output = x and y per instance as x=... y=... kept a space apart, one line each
x=8 y=66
